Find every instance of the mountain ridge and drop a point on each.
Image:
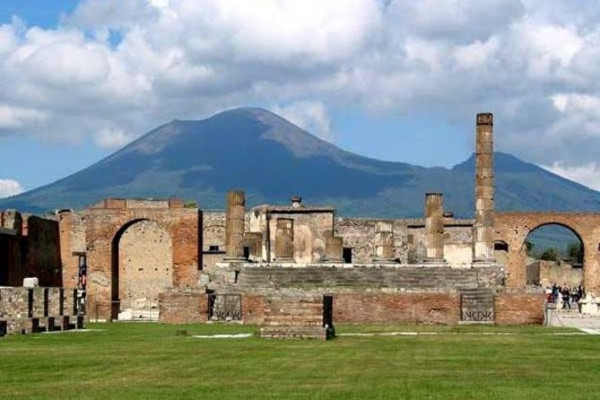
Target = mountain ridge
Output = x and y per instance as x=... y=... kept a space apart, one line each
x=272 y=159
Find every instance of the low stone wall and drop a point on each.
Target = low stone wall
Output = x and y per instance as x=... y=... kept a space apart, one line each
x=406 y=308
x=519 y=308
x=27 y=310
x=183 y=306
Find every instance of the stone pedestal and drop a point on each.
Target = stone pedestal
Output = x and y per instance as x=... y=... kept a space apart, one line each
x=334 y=247
x=384 y=242
x=284 y=240
x=234 y=225
x=589 y=305
x=483 y=228
x=434 y=227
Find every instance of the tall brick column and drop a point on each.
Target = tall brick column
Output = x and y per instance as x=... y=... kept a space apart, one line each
x=434 y=227
x=284 y=240
x=384 y=241
x=234 y=225
x=483 y=229
x=334 y=245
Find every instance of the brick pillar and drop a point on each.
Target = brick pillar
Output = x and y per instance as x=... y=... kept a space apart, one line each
x=234 y=225
x=483 y=229
x=384 y=241
x=434 y=227
x=284 y=240
x=253 y=240
x=334 y=245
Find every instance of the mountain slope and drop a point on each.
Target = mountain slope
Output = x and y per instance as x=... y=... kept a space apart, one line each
x=270 y=158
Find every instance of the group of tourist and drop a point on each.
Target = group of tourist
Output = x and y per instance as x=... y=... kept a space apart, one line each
x=564 y=296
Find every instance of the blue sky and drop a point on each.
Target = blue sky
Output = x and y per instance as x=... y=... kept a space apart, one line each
x=394 y=80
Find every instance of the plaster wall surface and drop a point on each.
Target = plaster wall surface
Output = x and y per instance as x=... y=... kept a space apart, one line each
x=145 y=265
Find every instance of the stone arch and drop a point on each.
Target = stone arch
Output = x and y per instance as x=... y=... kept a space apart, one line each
x=513 y=229
x=142 y=267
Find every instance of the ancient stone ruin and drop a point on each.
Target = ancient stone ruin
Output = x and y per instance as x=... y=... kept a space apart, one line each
x=294 y=269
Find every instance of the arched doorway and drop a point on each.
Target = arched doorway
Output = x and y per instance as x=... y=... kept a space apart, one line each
x=554 y=256
x=142 y=267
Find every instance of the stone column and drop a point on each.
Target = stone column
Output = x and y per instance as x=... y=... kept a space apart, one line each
x=434 y=227
x=284 y=240
x=253 y=240
x=483 y=229
x=234 y=225
x=334 y=245
x=384 y=241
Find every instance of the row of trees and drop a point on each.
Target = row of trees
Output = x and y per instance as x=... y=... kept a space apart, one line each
x=573 y=253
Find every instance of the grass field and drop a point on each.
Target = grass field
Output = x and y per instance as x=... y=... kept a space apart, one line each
x=153 y=361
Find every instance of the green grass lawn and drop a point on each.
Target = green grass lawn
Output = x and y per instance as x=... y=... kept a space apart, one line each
x=153 y=361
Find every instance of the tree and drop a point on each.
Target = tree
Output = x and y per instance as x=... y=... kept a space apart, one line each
x=575 y=252
x=550 y=254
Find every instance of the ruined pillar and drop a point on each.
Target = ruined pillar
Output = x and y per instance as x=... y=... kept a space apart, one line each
x=483 y=229
x=234 y=225
x=284 y=240
x=434 y=227
x=12 y=219
x=384 y=241
x=253 y=240
x=334 y=246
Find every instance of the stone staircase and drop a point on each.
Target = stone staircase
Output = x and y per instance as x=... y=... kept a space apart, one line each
x=408 y=278
x=294 y=317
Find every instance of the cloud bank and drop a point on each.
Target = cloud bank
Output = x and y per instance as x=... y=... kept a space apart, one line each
x=9 y=187
x=115 y=69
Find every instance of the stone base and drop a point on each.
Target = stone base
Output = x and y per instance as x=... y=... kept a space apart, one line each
x=485 y=263
x=385 y=260
x=295 y=332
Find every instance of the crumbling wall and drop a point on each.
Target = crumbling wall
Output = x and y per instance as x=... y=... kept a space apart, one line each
x=358 y=234
x=43 y=251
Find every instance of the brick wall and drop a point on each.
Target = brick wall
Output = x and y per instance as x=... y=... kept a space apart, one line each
x=183 y=305
x=520 y=308
x=412 y=308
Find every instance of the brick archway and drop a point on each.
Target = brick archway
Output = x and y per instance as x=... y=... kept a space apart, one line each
x=104 y=222
x=513 y=229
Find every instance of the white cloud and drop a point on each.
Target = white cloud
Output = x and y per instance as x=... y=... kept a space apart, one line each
x=112 y=138
x=588 y=175
x=9 y=187
x=309 y=115
x=133 y=65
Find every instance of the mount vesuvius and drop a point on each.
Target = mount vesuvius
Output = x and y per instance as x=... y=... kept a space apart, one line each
x=271 y=159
